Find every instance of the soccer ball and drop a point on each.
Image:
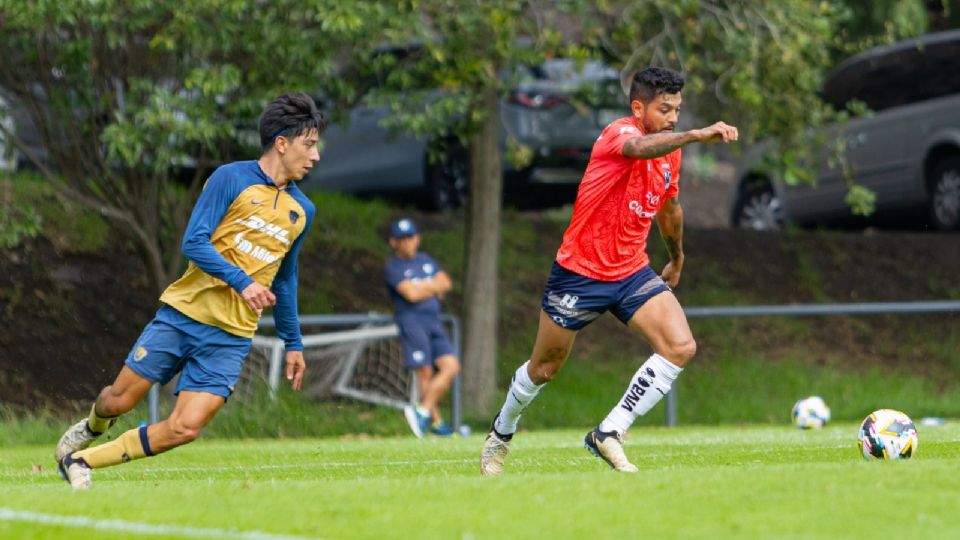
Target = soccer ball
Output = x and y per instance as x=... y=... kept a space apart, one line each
x=810 y=413
x=887 y=434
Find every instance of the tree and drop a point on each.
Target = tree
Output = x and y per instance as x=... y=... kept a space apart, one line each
x=761 y=64
x=126 y=95
x=449 y=91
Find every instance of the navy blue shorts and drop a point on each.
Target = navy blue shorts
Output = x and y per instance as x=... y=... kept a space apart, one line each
x=424 y=340
x=574 y=301
x=207 y=358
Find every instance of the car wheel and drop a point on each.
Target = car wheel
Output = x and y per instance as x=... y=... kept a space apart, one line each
x=448 y=182
x=759 y=209
x=944 y=202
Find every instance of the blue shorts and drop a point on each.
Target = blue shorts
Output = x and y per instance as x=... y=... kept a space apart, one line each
x=574 y=301
x=424 y=340
x=207 y=358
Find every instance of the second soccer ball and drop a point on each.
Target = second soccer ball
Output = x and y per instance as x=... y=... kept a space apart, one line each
x=810 y=413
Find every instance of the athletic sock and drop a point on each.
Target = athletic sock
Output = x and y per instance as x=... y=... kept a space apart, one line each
x=521 y=393
x=99 y=424
x=647 y=387
x=131 y=445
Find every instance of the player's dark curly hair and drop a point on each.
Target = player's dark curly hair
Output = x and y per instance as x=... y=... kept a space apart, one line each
x=653 y=81
x=290 y=115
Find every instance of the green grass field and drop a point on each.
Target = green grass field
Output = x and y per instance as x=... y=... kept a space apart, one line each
x=694 y=482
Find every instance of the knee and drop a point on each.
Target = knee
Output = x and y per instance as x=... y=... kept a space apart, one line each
x=542 y=373
x=682 y=352
x=112 y=402
x=453 y=369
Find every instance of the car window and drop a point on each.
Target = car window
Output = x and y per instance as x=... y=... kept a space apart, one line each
x=897 y=75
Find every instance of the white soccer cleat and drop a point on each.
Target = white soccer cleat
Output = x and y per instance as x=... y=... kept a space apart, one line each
x=78 y=437
x=76 y=472
x=417 y=422
x=608 y=446
x=494 y=453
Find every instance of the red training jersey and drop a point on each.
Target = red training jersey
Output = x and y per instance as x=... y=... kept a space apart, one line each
x=617 y=200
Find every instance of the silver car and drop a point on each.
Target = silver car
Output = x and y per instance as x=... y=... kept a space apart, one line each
x=907 y=151
x=556 y=112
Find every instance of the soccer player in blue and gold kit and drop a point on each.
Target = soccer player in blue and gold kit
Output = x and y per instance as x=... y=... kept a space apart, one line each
x=242 y=243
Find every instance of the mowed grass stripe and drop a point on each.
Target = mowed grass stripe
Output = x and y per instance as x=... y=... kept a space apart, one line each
x=717 y=482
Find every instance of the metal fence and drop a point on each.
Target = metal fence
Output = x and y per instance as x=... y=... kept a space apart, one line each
x=790 y=310
x=794 y=310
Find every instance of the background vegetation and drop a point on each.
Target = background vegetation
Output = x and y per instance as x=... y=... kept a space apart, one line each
x=748 y=370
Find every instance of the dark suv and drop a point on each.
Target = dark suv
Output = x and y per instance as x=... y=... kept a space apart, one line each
x=907 y=151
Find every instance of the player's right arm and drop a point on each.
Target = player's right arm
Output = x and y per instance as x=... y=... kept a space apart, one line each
x=218 y=194
x=418 y=291
x=661 y=144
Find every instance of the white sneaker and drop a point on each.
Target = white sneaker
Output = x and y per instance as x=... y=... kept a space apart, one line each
x=494 y=453
x=76 y=438
x=608 y=446
x=418 y=424
x=76 y=472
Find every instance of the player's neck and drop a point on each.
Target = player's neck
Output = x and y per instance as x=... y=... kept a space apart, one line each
x=273 y=168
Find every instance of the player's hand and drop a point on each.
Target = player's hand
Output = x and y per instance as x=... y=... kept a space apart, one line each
x=671 y=273
x=295 y=368
x=258 y=297
x=718 y=132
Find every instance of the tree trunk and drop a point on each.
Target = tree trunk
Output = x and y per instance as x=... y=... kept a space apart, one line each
x=482 y=250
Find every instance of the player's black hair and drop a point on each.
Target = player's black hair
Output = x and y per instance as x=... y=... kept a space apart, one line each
x=290 y=115
x=653 y=81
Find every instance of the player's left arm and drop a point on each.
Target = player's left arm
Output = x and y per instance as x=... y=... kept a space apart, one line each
x=670 y=223
x=285 y=311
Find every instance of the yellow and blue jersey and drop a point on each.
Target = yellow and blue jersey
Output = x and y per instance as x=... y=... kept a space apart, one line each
x=243 y=229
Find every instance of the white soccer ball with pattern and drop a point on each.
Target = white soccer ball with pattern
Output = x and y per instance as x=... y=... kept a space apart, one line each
x=887 y=434
x=810 y=413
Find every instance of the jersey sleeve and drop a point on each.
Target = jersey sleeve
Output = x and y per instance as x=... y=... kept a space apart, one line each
x=611 y=141
x=218 y=194
x=285 y=284
x=673 y=190
x=393 y=273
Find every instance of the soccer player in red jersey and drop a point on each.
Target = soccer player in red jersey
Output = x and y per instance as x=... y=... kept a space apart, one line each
x=631 y=180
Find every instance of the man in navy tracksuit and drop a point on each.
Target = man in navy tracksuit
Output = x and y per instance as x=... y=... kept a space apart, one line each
x=417 y=284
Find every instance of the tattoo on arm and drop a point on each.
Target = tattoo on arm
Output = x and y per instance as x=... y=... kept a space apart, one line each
x=670 y=221
x=656 y=145
x=673 y=247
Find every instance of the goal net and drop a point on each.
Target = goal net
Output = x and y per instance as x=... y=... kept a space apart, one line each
x=353 y=356
x=349 y=356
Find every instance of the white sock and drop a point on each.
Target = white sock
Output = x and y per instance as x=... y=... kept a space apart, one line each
x=521 y=393
x=647 y=387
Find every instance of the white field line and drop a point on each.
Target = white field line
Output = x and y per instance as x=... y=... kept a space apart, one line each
x=305 y=465
x=136 y=527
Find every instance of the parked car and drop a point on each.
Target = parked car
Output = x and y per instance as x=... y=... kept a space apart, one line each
x=544 y=112
x=907 y=151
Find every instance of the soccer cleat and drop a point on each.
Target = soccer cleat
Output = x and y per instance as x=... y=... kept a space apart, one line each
x=76 y=472
x=419 y=423
x=494 y=452
x=441 y=429
x=76 y=438
x=608 y=446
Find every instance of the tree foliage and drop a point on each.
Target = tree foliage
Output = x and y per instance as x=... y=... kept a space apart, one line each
x=126 y=95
